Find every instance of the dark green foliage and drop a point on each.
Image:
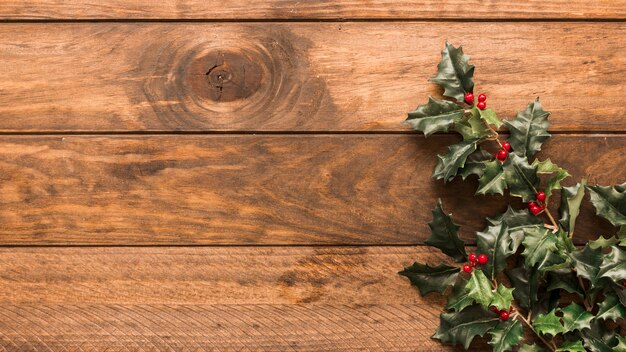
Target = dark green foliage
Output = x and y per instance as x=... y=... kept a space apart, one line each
x=571 y=299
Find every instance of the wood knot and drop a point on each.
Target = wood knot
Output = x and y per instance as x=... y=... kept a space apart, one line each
x=224 y=76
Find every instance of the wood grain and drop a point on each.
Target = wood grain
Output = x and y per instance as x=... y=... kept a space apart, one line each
x=209 y=327
x=311 y=9
x=363 y=76
x=250 y=189
x=215 y=275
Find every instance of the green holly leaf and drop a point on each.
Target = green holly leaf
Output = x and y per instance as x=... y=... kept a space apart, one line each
x=526 y=283
x=490 y=117
x=430 y=279
x=444 y=234
x=614 y=265
x=572 y=346
x=602 y=242
x=479 y=288
x=449 y=164
x=576 y=317
x=548 y=324
x=611 y=308
x=529 y=130
x=458 y=299
x=554 y=182
x=596 y=342
x=502 y=238
x=506 y=335
x=567 y=281
x=502 y=297
x=571 y=197
x=521 y=177
x=435 y=116
x=531 y=348
x=621 y=344
x=621 y=235
x=610 y=202
x=587 y=263
x=454 y=73
x=492 y=180
x=538 y=243
x=461 y=327
x=475 y=164
x=472 y=127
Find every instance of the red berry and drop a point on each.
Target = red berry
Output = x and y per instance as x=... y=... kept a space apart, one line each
x=541 y=196
x=467 y=268
x=481 y=105
x=506 y=146
x=482 y=97
x=495 y=309
x=469 y=98
x=482 y=259
x=504 y=315
x=502 y=155
x=535 y=210
x=472 y=258
x=531 y=204
x=510 y=309
x=624 y=284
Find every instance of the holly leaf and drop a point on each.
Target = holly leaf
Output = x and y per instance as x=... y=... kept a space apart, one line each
x=611 y=308
x=587 y=263
x=502 y=238
x=490 y=117
x=614 y=265
x=576 y=317
x=479 y=288
x=526 y=283
x=548 y=324
x=506 y=335
x=621 y=344
x=529 y=130
x=458 y=299
x=435 y=116
x=571 y=197
x=444 y=234
x=602 y=242
x=449 y=163
x=595 y=342
x=554 y=182
x=475 y=164
x=502 y=297
x=521 y=177
x=610 y=202
x=564 y=281
x=454 y=73
x=538 y=243
x=461 y=327
x=531 y=348
x=430 y=279
x=572 y=346
x=493 y=179
x=472 y=127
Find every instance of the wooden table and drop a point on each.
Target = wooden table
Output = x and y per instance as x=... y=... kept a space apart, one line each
x=233 y=175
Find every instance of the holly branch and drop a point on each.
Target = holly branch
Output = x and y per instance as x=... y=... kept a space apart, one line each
x=526 y=274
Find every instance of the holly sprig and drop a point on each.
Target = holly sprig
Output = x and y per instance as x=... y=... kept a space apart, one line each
x=527 y=275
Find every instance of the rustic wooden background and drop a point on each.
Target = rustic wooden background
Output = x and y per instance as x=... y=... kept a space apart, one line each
x=234 y=175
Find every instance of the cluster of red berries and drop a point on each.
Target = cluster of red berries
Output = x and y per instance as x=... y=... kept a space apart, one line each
x=504 y=315
x=537 y=207
x=475 y=260
x=482 y=100
x=503 y=153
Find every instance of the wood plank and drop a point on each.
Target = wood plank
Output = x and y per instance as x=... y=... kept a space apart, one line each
x=214 y=298
x=311 y=9
x=207 y=327
x=360 y=76
x=216 y=275
x=253 y=189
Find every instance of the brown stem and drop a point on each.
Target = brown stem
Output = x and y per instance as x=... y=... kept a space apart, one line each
x=582 y=285
x=550 y=345
x=547 y=211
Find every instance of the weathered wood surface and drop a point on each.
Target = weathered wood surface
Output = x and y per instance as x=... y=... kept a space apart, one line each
x=214 y=298
x=253 y=189
x=311 y=9
x=215 y=275
x=315 y=77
